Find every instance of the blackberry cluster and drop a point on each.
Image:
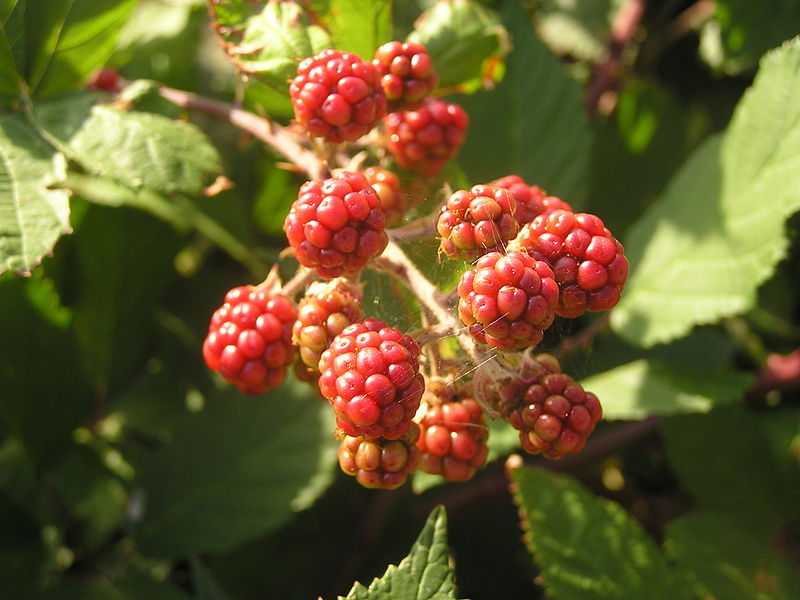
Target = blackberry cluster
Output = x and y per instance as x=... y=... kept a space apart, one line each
x=532 y=258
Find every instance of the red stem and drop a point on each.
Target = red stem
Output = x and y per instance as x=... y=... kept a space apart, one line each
x=271 y=133
x=608 y=72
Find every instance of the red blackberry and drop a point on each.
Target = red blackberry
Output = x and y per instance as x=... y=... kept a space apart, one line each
x=532 y=200
x=556 y=416
x=105 y=80
x=249 y=339
x=474 y=222
x=588 y=262
x=323 y=312
x=378 y=462
x=424 y=140
x=407 y=74
x=336 y=225
x=507 y=301
x=370 y=375
x=452 y=439
x=337 y=96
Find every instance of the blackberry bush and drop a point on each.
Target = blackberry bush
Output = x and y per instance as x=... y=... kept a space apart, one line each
x=154 y=441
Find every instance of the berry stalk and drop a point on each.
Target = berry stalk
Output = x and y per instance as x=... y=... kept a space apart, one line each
x=265 y=130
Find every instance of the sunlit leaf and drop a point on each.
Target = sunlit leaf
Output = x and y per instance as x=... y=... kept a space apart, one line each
x=588 y=548
x=425 y=574
x=32 y=217
x=700 y=253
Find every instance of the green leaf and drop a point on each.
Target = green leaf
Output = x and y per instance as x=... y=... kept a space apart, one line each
x=747 y=476
x=700 y=253
x=357 y=26
x=10 y=81
x=588 y=548
x=576 y=29
x=21 y=552
x=742 y=30
x=460 y=36
x=128 y=585
x=644 y=387
x=32 y=217
x=206 y=587
x=134 y=148
x=234 y=471
x=270 y=44
x=44 y=392
x=723 y=558
x=94 y=497
x=116 y=289
x=425 y=574
x=66 y=40
x=180 y=212
x=533 y=121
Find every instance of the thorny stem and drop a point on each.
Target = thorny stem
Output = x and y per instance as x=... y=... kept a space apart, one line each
x=271 y=133
x=607 y=73
x=301 y=279
x=396 y=262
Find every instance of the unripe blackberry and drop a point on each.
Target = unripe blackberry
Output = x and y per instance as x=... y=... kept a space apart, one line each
x=532 y=200
x=378 y=462
x=370 y=375
x=407 y=74
x=452 y=439
x=507 y=301
x=588 y=262
x=474 y=222
x=336 y=225
x=556 y=416
x=423 y=140
x=323 y=312
x=387 y=185
x=249 y=340
x=337 y=96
